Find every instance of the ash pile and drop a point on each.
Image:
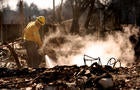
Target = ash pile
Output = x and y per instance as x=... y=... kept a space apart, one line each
x=71 y=77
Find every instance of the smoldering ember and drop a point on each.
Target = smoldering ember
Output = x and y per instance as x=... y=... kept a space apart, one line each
x=71 y=45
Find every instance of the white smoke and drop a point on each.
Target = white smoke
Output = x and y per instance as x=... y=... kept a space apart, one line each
x=115 y=45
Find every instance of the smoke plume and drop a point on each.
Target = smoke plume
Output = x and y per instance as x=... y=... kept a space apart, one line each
x=70 y=49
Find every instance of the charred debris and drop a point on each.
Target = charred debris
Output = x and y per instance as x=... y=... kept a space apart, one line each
x=96 y=76
x=101 y=18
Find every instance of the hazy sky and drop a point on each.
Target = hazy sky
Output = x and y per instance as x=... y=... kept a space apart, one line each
x=42 y=4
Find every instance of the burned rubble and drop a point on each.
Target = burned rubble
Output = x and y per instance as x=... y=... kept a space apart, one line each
x=71 y=77
x=74 y=77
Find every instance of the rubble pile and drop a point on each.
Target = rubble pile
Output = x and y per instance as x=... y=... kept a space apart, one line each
x=71 y=77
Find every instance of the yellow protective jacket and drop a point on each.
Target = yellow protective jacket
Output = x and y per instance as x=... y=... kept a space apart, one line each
x=31 y=33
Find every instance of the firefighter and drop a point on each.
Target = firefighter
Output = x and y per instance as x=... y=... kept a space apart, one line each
x=32 y=41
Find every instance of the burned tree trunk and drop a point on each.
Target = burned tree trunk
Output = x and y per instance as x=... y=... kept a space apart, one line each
x=88 y=17
x=60 y=12
x=21 y=16
x=1 y=27
x=1 y=20
x=75 y=24
x=78 y=7
x=54 y=17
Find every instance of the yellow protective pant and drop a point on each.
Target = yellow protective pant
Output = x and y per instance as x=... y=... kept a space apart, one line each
x=33 y=57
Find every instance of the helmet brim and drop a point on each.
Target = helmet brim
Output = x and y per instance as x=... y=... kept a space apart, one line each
x=40 y=22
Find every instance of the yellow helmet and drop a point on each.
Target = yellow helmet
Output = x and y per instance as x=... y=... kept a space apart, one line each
x=41 y=20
